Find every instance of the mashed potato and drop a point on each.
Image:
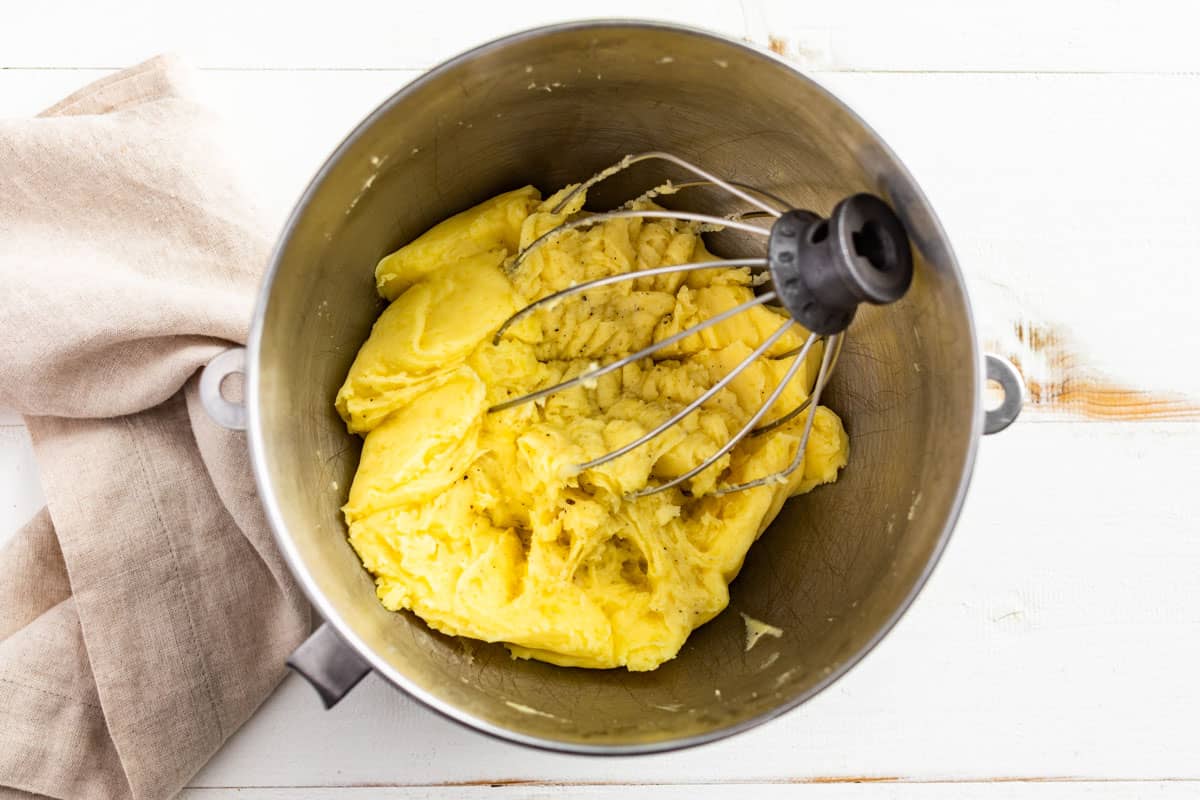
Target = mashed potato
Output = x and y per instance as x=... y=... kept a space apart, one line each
x=479 y=523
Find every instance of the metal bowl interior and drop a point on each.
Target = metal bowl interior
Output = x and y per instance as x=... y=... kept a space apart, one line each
x=548 y=107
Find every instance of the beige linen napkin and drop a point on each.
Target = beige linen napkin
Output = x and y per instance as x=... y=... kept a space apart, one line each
x=145 y=613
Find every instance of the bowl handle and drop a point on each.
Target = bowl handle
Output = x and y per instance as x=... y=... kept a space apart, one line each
x=329 y=664
x=225 y=413
x=1005 y=374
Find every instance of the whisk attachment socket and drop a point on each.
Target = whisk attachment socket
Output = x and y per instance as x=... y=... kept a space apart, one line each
x=823 y=268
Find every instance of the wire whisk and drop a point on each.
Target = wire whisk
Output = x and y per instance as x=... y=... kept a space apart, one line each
x=820 y=270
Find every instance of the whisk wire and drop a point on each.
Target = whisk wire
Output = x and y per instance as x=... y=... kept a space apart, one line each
x=745 y=429
x=798 y=458
x=591 y=375
x=579 y=288
x=596 y=219
x=836 y=344
x=672 y=188
x=692 y=406
x=629 y=161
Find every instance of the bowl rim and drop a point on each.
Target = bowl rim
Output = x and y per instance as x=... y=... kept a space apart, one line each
x=274 y=515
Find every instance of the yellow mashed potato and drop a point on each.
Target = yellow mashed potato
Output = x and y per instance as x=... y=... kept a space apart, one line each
x=479 y=523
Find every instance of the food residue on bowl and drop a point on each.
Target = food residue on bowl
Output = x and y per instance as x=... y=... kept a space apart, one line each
x=756 y=629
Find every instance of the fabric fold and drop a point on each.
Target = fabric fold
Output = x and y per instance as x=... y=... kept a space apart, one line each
x=147 y=603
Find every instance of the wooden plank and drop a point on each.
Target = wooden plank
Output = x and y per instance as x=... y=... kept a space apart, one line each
x=945 y=35
x=1033 y=177
x=1017 y=790
x=276 y=34
x=938 y=35
x=1056 y=639
x=1069 y=208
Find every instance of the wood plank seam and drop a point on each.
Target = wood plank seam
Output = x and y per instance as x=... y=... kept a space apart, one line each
x=818 y=780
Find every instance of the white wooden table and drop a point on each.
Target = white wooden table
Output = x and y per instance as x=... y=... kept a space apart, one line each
x=1056 y=651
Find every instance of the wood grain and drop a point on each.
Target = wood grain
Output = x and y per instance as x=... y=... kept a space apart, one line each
x=1013 y=197
x=1132 y=36
x=1055 y=639
x=949 y=36
x=1019 y=790
x=1060 y=381
x=277 y=34
x=1067 y=200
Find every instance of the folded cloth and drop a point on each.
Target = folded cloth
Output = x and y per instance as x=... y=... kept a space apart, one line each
x=145 y=613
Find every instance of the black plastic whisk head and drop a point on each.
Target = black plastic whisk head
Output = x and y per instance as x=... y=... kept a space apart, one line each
x=823 y=268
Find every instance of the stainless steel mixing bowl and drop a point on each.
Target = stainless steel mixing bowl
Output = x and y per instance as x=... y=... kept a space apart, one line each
x=551 y=106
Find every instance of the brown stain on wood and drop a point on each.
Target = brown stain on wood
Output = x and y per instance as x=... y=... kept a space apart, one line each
x=499 y=782
x=818 y=779
x=1072 y=388
x=494 y=783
